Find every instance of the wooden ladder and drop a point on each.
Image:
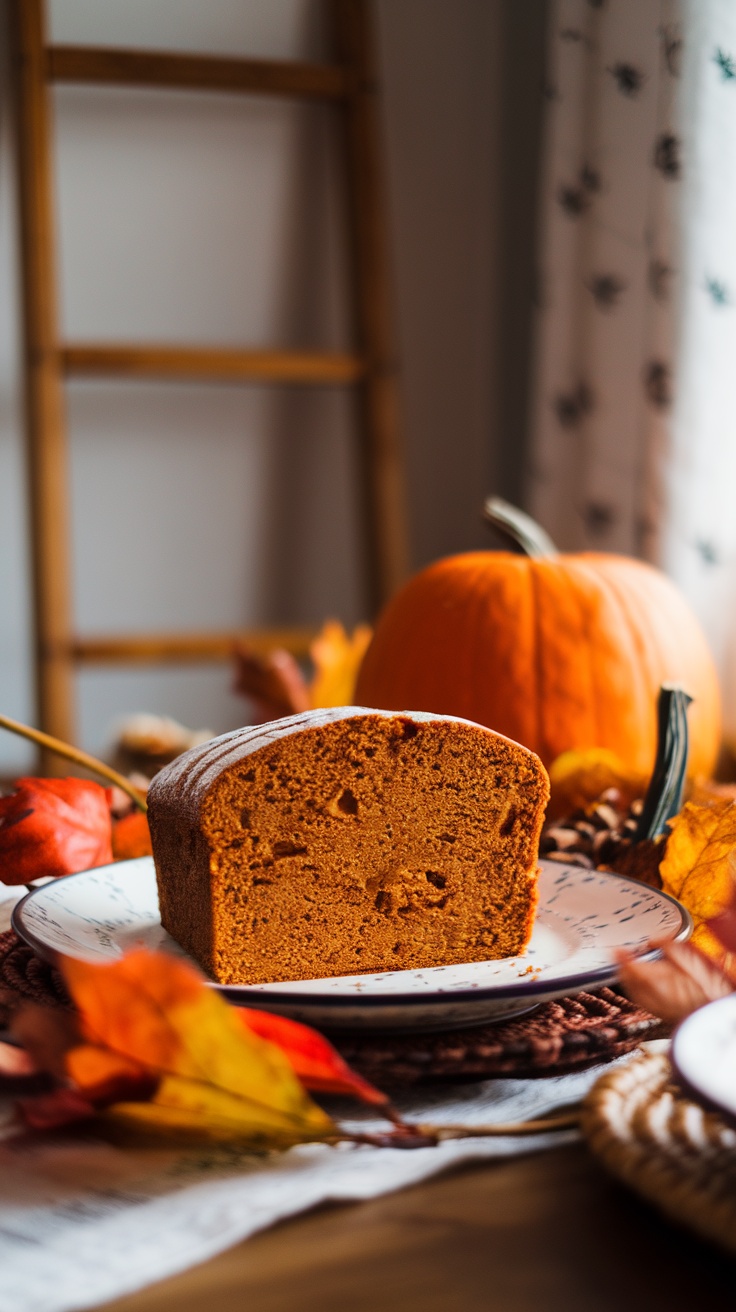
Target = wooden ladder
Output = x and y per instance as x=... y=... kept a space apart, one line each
x=351 y=84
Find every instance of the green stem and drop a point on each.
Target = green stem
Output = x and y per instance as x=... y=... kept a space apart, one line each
x=664 y=794
x=523 y=532
x=75 y=755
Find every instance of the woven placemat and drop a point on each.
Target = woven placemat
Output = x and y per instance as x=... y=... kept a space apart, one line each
x=559 y=1036
x=24 y=976
x=650 y=1135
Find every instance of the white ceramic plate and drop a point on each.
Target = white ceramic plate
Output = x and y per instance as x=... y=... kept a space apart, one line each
x=704 y=1056
x=583 y=915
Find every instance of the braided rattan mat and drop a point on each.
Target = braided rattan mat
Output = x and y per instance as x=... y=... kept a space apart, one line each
x=649 y=1134
x=559 y=1036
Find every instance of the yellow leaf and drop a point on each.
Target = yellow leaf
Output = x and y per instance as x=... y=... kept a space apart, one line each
x=337 y=658
x=696 y=868
x=213 y=1076
x=578 y=777
x=199 y=1110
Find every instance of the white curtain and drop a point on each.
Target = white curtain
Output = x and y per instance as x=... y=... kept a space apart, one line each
x=634 y=443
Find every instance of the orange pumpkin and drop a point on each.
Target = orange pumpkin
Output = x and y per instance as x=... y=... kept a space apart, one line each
x=556 y=651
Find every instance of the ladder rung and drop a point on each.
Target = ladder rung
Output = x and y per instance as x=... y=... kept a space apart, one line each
x=199 y=362
x=181 y=648
x=144 y=68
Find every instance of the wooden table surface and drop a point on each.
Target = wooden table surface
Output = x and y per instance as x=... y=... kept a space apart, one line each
x=549 y=1232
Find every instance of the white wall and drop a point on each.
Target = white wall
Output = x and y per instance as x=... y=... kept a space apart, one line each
x=218 y=219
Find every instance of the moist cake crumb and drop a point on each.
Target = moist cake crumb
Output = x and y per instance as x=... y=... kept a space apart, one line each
x=348 y=841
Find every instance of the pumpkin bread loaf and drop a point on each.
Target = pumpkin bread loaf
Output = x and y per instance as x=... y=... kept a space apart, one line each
x=344 y=841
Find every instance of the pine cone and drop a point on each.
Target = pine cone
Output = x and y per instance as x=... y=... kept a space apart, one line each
x=601 y=837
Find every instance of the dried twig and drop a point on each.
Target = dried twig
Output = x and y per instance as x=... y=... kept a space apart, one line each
x=78 y=757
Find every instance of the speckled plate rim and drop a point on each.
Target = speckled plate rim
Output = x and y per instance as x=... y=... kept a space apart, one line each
x=525 y=990
x=690 y=1082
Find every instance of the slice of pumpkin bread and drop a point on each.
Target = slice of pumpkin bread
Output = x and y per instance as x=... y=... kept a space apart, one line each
x=348 y=840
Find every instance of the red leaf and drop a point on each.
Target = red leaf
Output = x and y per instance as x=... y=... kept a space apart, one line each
x=313 y=1059
x=53 y=827
x=50 y=1111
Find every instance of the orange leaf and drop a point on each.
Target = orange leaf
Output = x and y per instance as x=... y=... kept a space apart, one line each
x=131 y=837
x=214 y=1076
x=52 y=827
x=578 y=777
x=314 y=1060
x=337 y=659
x=105 y=1077
x=697 y=866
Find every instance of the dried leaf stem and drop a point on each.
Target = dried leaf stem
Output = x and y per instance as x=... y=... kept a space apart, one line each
x=565 y=1121
x=78 y=757
x=409 y=1135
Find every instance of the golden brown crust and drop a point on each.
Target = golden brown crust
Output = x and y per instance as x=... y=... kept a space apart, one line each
x=348 y=841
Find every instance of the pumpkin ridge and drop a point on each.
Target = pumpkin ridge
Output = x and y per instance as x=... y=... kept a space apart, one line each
x=601 y=580
x=696 y=647
x=475 y=651
x=645 y=645
x=533 y=573
x=581 y=602
x=478 y=662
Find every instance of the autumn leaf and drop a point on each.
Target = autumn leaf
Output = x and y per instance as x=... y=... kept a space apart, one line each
x=337 y=658
x=697 y=869
x=54 y=1110
x=53 y=827
x=313 y=1059
x=46 y=1034
x=141 y=1028
x=274 y=682
x=158 y=1049
x=150 y=1017
x=723 y=925
x=277 y=686
x=131 y=837
x=680 y=982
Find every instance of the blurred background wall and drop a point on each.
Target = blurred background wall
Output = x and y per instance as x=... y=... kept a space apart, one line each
x=218 y=219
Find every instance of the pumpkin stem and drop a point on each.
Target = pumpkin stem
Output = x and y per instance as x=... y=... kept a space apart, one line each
x=664 y=794
x=521 y=529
